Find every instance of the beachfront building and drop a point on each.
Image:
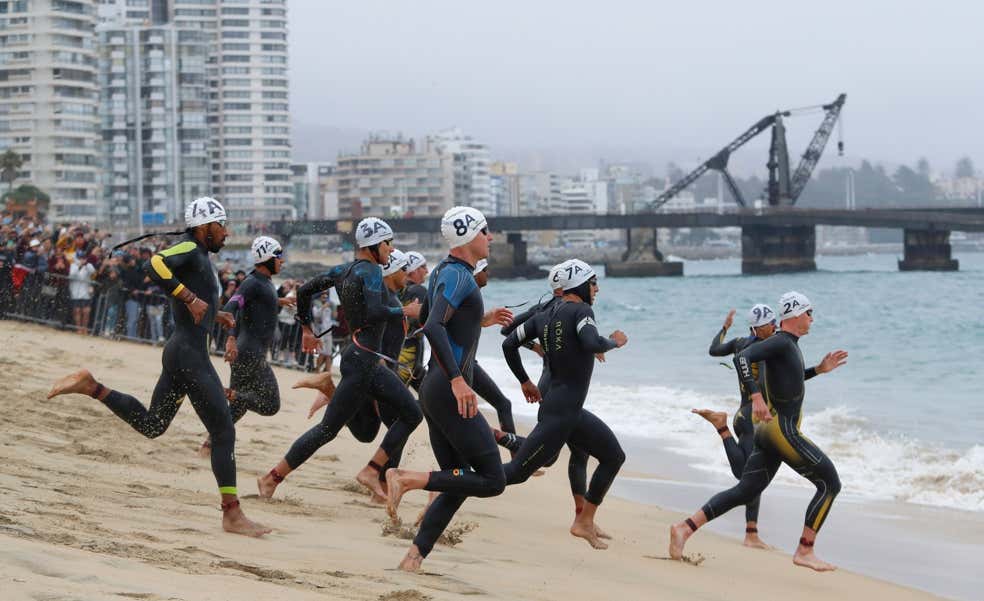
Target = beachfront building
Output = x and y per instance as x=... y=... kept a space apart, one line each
x=49 y=101
x=504 y=182
x=314 y=187
x=153 y=97
x=470 y=164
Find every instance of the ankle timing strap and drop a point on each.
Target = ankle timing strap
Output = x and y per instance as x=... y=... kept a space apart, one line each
x=806 y=543
x=230 y=505
x=722 y=429
x=690 y=522
x=376 y=466
x=276 y=476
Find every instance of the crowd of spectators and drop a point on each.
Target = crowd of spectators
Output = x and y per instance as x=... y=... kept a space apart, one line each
x=66 y=275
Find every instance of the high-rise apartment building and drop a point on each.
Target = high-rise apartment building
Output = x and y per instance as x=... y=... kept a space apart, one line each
x=315 y=191
x=470 y=164
x=504 y=182
x=49 y=100
x=390 y=176
x=154 y=95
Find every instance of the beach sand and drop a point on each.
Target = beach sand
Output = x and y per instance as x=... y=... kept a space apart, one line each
x=92 y=510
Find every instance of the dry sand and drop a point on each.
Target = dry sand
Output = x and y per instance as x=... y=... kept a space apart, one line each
x=92 y=510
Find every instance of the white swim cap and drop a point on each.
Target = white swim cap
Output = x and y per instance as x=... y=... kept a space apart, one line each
x=480 y=266
x=204 y=210
x=415 y=260
x=460 y=225
x=372 y=231
x=793 y=304
x=553 y=277
x=760 y=315
x=265 y=248
x=572 y=274
x=397 y=261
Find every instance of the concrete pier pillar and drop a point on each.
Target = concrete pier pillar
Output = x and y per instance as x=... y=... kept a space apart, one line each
x=642 y=258
x=508 y=259
x=928 y=250
x=778 y=249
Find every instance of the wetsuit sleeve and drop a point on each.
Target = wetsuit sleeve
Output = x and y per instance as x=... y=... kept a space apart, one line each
x=760 y=351
x=519 y=320
x=810 y=372
x=587 y=334
x=163 y=264
x=237 y=303
x=720 y=348
x=307 y=292
x=520 y=336
x=450 y=290
x=377 y=307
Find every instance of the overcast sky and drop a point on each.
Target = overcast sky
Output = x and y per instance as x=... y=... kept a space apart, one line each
x=654 y=78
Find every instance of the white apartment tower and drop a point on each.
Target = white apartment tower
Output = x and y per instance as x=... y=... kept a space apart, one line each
x=471 y=161
x=49 y=100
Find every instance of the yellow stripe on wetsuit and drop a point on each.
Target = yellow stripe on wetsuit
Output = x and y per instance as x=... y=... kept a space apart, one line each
x=161 y=268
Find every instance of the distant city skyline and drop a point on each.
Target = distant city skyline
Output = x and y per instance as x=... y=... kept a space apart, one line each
x=643 y=81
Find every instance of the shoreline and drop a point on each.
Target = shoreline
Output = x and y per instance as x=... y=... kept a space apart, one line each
x=93 y=510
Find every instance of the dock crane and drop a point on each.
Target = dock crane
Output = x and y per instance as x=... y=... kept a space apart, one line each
x=784 y=189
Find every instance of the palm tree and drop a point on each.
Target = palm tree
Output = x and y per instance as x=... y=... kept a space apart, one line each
x=10 y=164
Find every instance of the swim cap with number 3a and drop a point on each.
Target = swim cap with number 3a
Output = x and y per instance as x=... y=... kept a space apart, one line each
x=460 y=225
x=204 y=210
x=371 y=231
x=397 y=261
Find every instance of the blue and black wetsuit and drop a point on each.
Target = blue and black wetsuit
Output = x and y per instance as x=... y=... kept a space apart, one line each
x=364 y=300
x=464 y=447
x=570 y=340
x=577 y=465
x=412 y=354
x=254 y=306
x=187 y=368
x=780 y=440
x=738 y=451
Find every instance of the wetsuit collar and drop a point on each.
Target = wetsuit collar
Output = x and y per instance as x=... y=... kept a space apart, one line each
x=790 y=334
x=454 y=259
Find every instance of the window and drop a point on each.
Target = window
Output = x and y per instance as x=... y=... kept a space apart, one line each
x=237 y=106
x=275 y=95
x=238 y=142
x=235 y=35
x=274 y=59
x=235 y=22
x=275 y=83
x=235 y=58
x=235 y=70
x=274 y=106
x=237 y=154
x=235 y=10
x=236 y=94
x=235 y=47
x=236 y=83
x=238 y=130
x=274 y=47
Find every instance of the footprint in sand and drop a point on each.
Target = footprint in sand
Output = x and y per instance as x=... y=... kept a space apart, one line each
x=263 y=573
x=405 y=595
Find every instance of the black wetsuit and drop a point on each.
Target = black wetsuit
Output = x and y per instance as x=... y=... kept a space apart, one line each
x=364 y=299
x=464 y=447
x=577 y=465
x=412 y=354
x=780 y=440
x=254 y=306
x=738 y=451
x=187 y=367
x=570 y=340
x=485 y=387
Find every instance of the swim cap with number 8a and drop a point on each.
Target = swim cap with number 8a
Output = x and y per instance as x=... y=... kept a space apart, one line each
x=460 y=225
x=265 y=248
x=760 y=315
x=204 y=210
x=793 y=304
x=573 y=273
x=371 y=231
x=397 y=261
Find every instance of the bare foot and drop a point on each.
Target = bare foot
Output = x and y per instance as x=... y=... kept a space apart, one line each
x=412 y=560
x=752 y=540
x=80 y=382
x=236 y=522
x=679 y=533
x=205 y=451
x=393 y=498
x=320 y=401
x=601 y=533
x=808 y=560
x=267 y=486
x=230 y=394
x=718 y=419
x=320 y=381
x=369 y=478
x=423 y=512
x=589 y=533
x=539 y=473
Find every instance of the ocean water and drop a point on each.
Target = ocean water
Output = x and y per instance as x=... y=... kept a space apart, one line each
x=902 y=421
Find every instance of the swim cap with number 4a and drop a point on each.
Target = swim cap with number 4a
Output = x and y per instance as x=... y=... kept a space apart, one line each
x=371 y=231
x=760 y=315
x=397 y=261
x=265 y=248
x=460 y=225
x=572 y=274
x=204 y=210
x=793 y=304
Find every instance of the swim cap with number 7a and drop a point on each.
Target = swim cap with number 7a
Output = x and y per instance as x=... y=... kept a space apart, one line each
x=371 y=231
x=460 y=225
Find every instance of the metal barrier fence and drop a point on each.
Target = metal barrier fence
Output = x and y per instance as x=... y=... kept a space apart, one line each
x=122 y=314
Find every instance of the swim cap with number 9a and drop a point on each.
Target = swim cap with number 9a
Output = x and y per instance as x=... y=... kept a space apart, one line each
x=265 y=248
x=371 y=231
x=760 y=315
x=460 y=225
x=204 y=210
x=793 y=304
x=573 y=273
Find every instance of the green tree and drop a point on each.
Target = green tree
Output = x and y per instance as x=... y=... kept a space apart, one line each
x=10 y=164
